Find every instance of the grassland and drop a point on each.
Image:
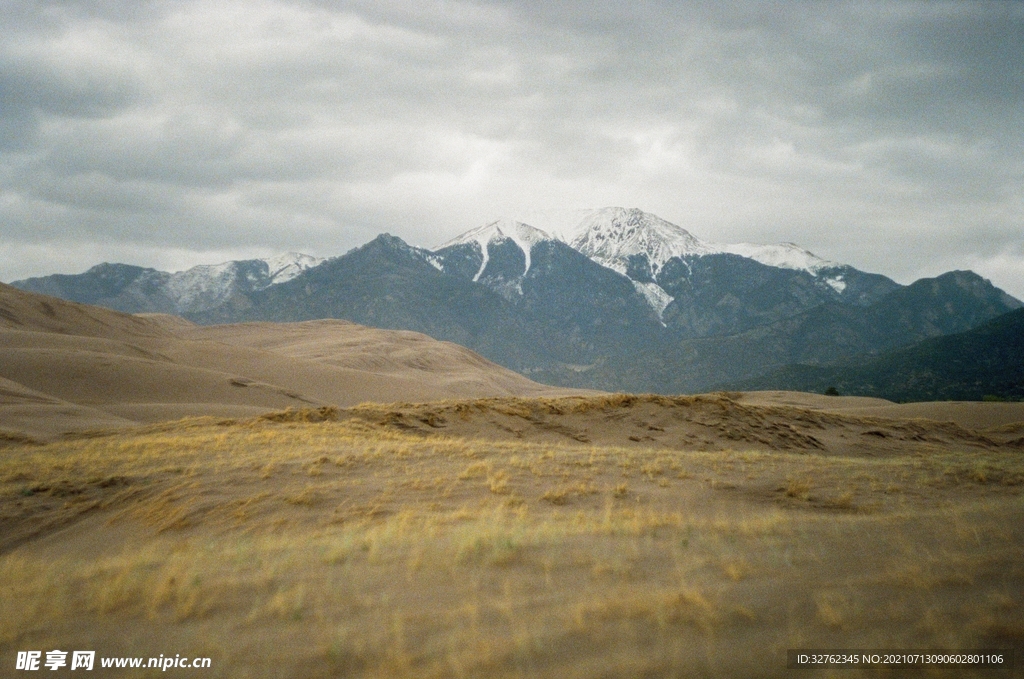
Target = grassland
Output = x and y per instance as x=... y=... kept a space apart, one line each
x=436 y=541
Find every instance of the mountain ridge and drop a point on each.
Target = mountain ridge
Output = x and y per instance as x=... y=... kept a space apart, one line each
x=638 y=245
x=136 y=289
x=638 y=304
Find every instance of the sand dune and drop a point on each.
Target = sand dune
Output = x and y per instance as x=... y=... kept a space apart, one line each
x=969 y=414
x=70 y=367
x=21 y=310
x=709 y=422
x=800 y=399
x=33 y=415
x=397 y=354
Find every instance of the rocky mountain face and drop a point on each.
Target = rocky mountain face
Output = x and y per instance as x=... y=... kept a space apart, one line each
x=134 y=289
x=619 y=300
x=833 y=333
x=696 y=288
x=984 y=362
x=390 y=284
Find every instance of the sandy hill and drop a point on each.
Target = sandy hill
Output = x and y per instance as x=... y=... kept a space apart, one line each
x=67 y=367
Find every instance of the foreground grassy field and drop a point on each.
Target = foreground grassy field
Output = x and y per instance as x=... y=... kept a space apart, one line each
x=323 y=544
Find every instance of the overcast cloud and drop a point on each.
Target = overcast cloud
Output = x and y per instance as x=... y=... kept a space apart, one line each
x=887 y=135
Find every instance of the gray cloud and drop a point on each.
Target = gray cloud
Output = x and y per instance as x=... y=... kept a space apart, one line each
x=886 y=134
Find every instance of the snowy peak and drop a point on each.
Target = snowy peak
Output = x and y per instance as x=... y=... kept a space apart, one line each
x=639 y=245
x=280 y=268
x=792 y=256
x=523 y=235
x=207 y=277
x=782 y=256
x=209 y=285
x=285 y=267
x=612 y=236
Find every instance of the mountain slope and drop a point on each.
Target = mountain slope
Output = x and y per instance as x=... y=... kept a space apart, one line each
x=563 y=309
x=833 y=332
x=985 y=361
x=725 y=294
x=645 y=247
x=389 y=284
x=950 y=303
x=826 y=334
x=587 y=313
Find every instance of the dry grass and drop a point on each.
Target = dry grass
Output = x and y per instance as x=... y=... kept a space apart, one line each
x=309 y=544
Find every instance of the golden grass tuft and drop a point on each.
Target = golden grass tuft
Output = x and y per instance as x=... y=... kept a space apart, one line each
x=322 y=414
x=798 y=488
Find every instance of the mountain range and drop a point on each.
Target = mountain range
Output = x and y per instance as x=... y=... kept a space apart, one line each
x=618 y=300
x=135 y=289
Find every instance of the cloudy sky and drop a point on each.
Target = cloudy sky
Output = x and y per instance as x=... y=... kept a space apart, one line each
x=887 y=135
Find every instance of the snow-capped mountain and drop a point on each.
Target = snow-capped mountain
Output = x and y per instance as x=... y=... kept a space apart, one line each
x=781 y=255
x=661 y=235
x=209 y=285
x=626 y=240
x=638 y=245
x=523 y=235
x=568 y=320
x=614 y=236
x=137 y=289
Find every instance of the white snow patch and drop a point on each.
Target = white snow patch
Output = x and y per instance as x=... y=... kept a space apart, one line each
x=837 y=283
x=202 y=286
x=289 y=265
x=781 y=255
x=655 y=296
x=524 y=236
x=483 y=263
